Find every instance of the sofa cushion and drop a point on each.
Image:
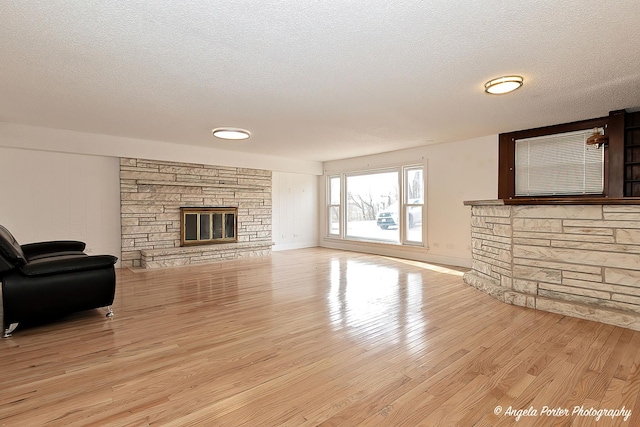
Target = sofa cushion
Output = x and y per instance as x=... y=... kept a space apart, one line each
x=53 y=255
x=66 y=264
x=38 y=250
x=10 y=249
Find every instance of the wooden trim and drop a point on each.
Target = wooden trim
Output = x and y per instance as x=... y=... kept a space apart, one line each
x=572 y=200
x=506 y=166
x=506 y=154
x=614 y=180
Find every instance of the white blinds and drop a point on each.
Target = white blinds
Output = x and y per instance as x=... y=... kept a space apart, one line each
x=560 y=164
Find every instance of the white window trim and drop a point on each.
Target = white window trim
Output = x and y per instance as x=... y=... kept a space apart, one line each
x=402 y=171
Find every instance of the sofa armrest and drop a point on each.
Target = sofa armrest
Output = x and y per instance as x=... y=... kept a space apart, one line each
x=39 y=249
x=67 y=264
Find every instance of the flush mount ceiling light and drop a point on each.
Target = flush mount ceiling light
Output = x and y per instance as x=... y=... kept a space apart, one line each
x=502 y=85
x=231 y=133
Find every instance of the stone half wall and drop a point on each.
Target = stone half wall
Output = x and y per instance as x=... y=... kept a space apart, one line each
x=577 y=260
x=152 y=192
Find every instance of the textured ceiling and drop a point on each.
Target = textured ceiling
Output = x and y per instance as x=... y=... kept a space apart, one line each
x=314 y=80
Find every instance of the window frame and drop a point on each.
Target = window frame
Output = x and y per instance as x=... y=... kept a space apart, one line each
x=330 y=205
x=402 y=171
x=613 y=156
x=406 y=206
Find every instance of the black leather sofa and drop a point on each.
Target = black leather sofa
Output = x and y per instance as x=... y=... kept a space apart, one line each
x=50 y=279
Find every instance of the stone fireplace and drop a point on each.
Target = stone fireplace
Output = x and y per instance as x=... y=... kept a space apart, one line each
x=155 y=195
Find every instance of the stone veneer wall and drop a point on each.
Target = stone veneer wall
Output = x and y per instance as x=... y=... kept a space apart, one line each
x=577 y=260
x=152 y=192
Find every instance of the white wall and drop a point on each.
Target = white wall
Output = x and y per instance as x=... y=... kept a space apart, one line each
x=49 y=196
x=295 y=210
x=455 y=172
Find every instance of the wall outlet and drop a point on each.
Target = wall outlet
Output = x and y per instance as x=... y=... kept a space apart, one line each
x=449 y=245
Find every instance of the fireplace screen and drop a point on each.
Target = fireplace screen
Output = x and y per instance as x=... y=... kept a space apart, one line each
x=202 y=226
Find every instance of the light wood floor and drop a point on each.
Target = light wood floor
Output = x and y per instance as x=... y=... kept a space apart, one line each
x=313 y=337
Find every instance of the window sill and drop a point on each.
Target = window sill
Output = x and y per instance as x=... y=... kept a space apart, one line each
x=409 y=245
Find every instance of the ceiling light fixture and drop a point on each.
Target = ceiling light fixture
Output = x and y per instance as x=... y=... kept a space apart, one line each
x=502 y=85
x=231 y=133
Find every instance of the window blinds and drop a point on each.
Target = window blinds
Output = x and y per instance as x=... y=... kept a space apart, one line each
x=560 y=164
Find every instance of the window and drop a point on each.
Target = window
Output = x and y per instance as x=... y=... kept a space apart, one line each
x=553 y=165
x=559 y=164
x=372 y=206
x=333 y=213
x=413 y=203
x=383 y=206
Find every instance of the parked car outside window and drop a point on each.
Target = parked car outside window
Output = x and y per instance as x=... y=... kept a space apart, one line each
x=388 y=218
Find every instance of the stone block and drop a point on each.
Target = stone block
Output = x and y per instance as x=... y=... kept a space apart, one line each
x=631 y=237
x=495 y=245
x=621 y=208
x=559 y=212
x=601 y=224
x=480 y=266
x=155 y=176
x=620 y=276
x=562 y=296
x=198 y=170
x=480 y=222
x=587 y=230
x=626 y=299
x=505 y=240
x=624 y=216
x=597 y=247
x=129 y=221
x=153 y=188
x=153 y=197
x=525 y=286
x=574 y=290
x=515 y=298
x=143 y=229
x=582 y=276
x=506 y=282
x=128 y=243
x=140 y=209
x=499 y=211
x=537 y=274
x=502 y=230
x=497 y=220
x=532 y=242
x=535 y=224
